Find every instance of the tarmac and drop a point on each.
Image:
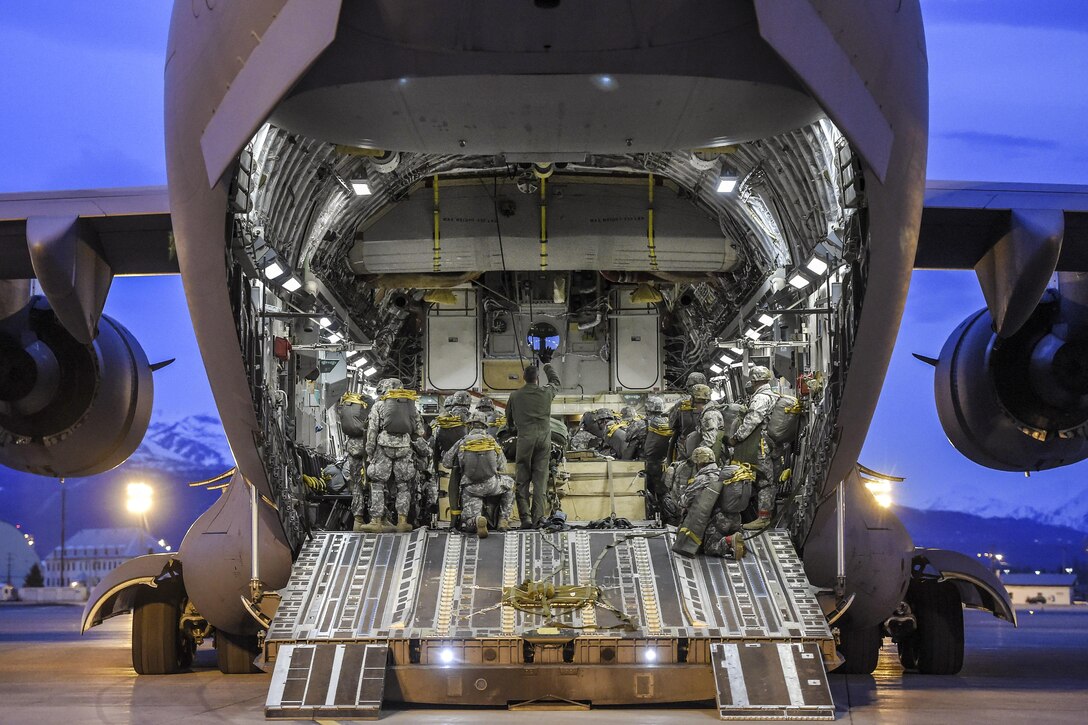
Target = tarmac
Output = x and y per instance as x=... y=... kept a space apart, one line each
x=49 y=674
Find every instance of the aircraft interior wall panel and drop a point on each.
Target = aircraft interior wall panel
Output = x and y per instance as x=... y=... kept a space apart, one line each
x=636 y=351
x=453 y=353
x=590 y=226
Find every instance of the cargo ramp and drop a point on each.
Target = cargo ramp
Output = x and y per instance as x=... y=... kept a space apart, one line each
x=574 y=618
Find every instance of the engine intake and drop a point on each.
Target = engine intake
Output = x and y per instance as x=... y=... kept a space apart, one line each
x=1020 y=403
x=66 y=408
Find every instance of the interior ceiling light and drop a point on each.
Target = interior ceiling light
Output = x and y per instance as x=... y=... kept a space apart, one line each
x=335 y=338
x=729 y=356
x=751 y=334
x=370 y=371
x=799 y=280
x=324 y=322
x=816 y=265
x=292 y=284
x=361 y=186
x=273 y=269
x=765 y=319
x=352 y=353
x=727 y=179
x=716 y=369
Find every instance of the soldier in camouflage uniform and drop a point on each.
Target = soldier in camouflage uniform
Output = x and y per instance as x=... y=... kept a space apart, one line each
x=390 y=452
x=677 y=477
x=752 y=445
x=354 y=467
x=496 y=418
x=683 y=417
x=481 y=462
x=655 y=451
x=723 y=533
x=708 y=422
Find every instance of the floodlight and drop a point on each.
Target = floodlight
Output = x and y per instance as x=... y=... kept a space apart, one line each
x=292 y=283
x=799 y=281
x=817 y=266
x=766 y=319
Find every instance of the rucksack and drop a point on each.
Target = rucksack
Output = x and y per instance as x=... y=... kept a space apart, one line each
x=736 y=487
x=398 y=415
x=479 y=465
x=784 y=422
x=354 y=412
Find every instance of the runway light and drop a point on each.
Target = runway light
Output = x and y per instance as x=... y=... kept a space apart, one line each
x=445 y=655
x=162 y=542
x=1037 y=572
x=999 y=557
x=766 y=319
x=798 y=281
x=292 y=284
x=650 y=655
x=324 y=322
x=1068 y=570
x=817 y=266
x=138 y=499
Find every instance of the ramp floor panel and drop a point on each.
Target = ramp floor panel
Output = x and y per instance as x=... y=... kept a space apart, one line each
x=437 y=584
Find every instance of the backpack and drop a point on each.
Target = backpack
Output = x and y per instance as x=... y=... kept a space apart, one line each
x=736 y=488
x=479 y=466
x=399 y=415
x=354 y=413
x=784 y=422
x=658 y=435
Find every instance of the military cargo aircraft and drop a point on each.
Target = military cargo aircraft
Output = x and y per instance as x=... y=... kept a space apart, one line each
x=404 y=189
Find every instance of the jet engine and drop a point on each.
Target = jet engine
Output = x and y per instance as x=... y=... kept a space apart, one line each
x=1020 y=403
x=68 y=408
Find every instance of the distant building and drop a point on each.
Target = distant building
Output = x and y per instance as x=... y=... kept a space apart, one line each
x=91 y=554
x=17 y=554
x=1038 y=589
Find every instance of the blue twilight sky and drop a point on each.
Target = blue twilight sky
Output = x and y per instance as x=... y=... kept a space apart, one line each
x=81 y=84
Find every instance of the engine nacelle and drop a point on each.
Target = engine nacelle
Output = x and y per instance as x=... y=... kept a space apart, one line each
x=1018 y=403
x=69 y=409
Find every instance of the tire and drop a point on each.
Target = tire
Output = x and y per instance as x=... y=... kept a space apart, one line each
x=236 y=652
x=156 y=640
x=861 y=648
x=940 y=628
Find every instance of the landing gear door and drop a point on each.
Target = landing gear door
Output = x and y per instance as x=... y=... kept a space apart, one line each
x=452 y=354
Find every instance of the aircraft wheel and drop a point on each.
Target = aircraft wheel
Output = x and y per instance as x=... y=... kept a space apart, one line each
x=157 y=646
x=939 y=639
x=236 y=652
x=861 y=649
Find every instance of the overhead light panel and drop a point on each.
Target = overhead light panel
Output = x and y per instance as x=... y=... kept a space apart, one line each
x=716 y=369
x=352 y=353
x=292 y=284
x=335 y=337
x=751 y=333
x=729 y=356
x=817 y=266
x=766 y=319
x=370 y=371
x=799 y=281
x=727 y=178
x=324 y=322
x=273 y=269
x=361 y=186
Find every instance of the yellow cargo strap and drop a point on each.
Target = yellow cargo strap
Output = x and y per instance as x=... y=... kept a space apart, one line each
x=480 y=445
x=690 y=534
x=616 y=426
x=498 y=422
x=795 y=409
x=455 y=512
x=449 y=421
x=437 y=236
x=745 y=472
x=401 y=393
x=785 y=475
x=353 y=399
x=543 y=224
x=661 y=430
x=687 y=405
x=650 y=222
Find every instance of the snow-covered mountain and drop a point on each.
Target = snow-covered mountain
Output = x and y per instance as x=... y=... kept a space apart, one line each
x=1072 y=512
x=195 y=442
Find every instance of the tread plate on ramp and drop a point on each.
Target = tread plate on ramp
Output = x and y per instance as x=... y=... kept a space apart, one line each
x=345 y=680
x=771 y=681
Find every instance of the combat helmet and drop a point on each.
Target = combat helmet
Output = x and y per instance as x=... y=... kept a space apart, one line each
x=693 y=380
x=759 y=374
x=485 y=403
x=702 y=456
x=700 y=392
x=459 y=399
x=476 y=418
x=388 y=384
x=655 y=404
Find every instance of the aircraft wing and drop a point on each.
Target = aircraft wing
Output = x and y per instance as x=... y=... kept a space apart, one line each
x=130 y=228
x=962 y=221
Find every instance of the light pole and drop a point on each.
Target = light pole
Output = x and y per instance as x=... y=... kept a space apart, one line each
x=63 y=582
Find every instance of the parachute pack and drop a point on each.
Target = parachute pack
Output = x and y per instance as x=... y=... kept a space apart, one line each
x=354 y=412
x=400 y=409
x=784 y=422
x=479 y=459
